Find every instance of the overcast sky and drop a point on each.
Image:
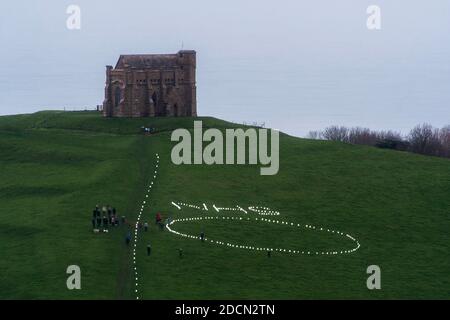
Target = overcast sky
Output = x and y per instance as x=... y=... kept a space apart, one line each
x=295 y=65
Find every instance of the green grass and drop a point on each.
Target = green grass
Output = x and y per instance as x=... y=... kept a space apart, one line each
x=56 y=166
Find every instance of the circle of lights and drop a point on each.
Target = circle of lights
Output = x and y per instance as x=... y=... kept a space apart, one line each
x=255 y=248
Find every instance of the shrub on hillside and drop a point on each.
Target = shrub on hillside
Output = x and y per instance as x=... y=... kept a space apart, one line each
x=394 y=144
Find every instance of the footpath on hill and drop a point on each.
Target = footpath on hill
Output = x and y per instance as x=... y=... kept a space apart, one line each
x=145 y=158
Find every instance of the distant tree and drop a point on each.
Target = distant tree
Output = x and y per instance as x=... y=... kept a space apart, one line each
x=444 y=138
x=390 y=135
x=363 y=136
x=336 y=133
x=391 y=140
x=424 y=139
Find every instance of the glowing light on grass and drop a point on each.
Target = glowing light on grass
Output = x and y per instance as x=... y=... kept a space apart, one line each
x=264 y=211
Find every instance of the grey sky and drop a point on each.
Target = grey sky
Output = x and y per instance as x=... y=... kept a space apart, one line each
x=296 y=65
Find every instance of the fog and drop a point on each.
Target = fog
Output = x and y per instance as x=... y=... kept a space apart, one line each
x=293 y=65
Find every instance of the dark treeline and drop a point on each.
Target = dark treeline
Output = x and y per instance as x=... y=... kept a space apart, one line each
x=423 y=139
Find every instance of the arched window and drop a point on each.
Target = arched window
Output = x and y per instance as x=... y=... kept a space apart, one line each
x=117 y=96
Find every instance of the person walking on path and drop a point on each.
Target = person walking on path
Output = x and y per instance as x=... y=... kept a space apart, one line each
x=128 y=238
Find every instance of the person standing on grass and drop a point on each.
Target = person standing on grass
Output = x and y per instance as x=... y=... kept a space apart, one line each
x=99 y=222
x=109 y=210
x=149 y=249
x=128 y=238
x=105 y=222
x=146 y=227
x=202 y=236
x=158 y=218
x=93 y=223
x=180 y=253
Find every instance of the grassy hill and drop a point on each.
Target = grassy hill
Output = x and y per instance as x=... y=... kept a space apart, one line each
x=56 y=166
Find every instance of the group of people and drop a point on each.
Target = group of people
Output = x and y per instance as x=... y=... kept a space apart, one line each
x=145 y=226
x=105 y=217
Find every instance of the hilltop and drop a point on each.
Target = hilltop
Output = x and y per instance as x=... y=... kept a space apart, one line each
x=56 y=166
